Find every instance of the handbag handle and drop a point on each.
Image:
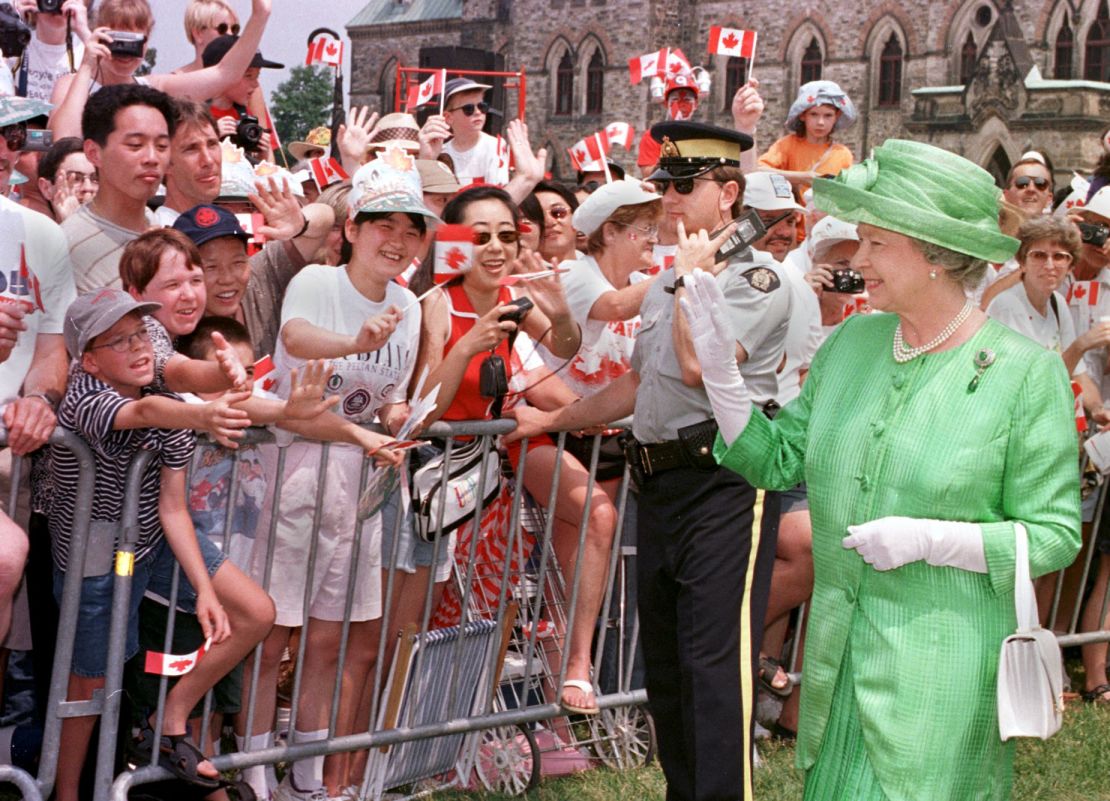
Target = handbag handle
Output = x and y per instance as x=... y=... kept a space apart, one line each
x=1025 y=602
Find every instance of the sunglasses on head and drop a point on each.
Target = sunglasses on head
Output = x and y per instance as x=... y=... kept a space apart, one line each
x=223 y=28
x=504 y=237
x=1025 y=180
x=15 y=135
x=469 y=108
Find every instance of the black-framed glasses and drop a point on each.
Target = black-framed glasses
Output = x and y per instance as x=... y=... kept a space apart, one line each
x=504 y=237
x=683 y=186
x=122 y=344
x=14 y=135
x=469 y=108
x=223 y=28
x=558 y=212
x=1025 y=180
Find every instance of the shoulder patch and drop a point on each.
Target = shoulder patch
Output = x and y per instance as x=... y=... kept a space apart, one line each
x=763 y=279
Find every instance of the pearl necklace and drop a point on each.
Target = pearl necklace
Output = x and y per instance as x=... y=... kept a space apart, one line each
x=903 y=354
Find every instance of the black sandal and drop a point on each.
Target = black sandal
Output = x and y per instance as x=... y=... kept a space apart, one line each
x=1099 y=695
x=140 y=748
x=178 y=755
x=768 y=669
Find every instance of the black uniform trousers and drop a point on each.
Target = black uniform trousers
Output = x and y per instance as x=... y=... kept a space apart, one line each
x=697 y=604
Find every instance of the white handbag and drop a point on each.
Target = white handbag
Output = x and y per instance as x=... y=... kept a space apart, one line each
x=1030 y=667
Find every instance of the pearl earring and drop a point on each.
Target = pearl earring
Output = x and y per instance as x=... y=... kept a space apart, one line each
x=933 y=274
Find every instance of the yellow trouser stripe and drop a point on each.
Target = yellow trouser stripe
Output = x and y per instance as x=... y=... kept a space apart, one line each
x=746 y=679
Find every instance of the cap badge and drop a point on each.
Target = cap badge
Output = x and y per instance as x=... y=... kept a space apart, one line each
x=668 y=149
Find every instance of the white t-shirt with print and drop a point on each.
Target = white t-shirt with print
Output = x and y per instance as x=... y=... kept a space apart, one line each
x=45 y=64
x=1054 y=330
x=481 y=161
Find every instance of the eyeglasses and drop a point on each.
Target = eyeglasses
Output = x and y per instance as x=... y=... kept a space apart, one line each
x=223 y=28
x=15 y=135
x=469 y=108
x=683 y=186
x=1025 y=180
x=558 y=212
x=78 y=177
x=647 y=230
x=123 y=344
x=504 y=237
x=1060 y=257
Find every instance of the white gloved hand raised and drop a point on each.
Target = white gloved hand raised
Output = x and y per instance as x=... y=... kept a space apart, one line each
x=715 y=346
x=890 y=542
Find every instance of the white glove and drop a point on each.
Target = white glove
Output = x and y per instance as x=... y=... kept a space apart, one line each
x=891 y=542
x=715 y=346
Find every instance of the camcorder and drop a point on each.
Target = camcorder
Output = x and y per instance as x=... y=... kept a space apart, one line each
x=1094 y=234
x=848 y=281
x=248 y=133
x=15 y=34
x=39 y=140
x=126 y=44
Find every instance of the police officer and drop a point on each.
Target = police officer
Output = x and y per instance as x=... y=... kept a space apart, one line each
x=701 y=598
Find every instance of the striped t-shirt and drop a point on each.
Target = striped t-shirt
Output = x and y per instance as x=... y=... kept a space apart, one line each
x=89 y=409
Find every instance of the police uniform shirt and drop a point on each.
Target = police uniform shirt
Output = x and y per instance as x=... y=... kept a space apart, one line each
x=758 y=305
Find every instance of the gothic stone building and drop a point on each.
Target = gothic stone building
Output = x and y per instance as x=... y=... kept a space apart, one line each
x=985 y=78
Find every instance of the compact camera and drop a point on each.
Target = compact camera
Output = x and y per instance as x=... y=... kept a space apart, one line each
x=248 y=133
x=1094 y=233
x=848 y=281
x=126 y=44
x=50 y=6
x=15 y=34
x=517 y=315
x=39 y=140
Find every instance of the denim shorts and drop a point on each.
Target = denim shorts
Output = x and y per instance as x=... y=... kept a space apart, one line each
x=162 y=570
x=412 y=552
x=90 y=645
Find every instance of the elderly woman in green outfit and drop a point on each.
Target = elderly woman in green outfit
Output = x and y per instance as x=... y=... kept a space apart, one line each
x=924 y=435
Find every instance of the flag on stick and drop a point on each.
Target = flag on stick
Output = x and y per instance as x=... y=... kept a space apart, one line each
x=419 y=95
x=647 y=65
x=732 y=42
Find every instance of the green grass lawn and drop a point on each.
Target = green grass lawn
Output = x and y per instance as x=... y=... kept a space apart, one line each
x=1072 y=766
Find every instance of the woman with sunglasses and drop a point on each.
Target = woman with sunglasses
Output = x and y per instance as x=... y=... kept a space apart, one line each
x=560 y=241
x=100 y=68
x=461 y=326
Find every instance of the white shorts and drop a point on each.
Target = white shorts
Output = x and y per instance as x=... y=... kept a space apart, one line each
x=336 y=564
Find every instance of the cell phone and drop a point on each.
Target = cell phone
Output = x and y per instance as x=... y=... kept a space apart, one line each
x=39 y=140
x=749 y=230
x=523 y=306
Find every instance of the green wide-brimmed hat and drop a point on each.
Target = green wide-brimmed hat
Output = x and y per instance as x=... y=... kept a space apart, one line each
x=923 y=192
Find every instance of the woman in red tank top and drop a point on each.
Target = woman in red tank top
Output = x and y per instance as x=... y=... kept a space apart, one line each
x=460 y=327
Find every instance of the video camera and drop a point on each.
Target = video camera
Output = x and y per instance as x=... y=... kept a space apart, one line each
x=15 y=34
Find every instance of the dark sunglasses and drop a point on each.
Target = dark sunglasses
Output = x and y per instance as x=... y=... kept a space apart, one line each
x=505 y=237
x=559 y=212
x=223 y=28
x=15 y=135
x=470 y=108
x=1025 y=180
x=683 y=186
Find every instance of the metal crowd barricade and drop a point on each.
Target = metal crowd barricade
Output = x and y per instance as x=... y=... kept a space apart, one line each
x=439 y=702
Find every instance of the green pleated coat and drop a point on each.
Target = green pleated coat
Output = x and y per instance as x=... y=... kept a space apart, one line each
x=874 y=438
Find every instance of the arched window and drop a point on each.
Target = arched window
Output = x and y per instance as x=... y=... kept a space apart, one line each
x=1064 y=51
x=811 y=62
x=1097 y=50
x=595 y=84
x=890 y=72
x=968 y=55
x=564 y=85
x=736 y=73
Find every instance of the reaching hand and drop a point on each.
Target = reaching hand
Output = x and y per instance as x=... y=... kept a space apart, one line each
x=354 y=136
x=435 y=132
x=528 y=164
x=306 y=393
x=377 y=330
x=529 y=422
x=547 y=293
x=78 y=17
x=698 y=252
x=63 y=198
x=230 y=363
x=372 y=443
x=747 y=107
x=224 y=422
x=279 y=207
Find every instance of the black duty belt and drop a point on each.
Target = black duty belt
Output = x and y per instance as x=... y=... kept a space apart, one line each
x=692 y=449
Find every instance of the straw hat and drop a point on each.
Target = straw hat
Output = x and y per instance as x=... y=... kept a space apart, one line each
x=396 y=130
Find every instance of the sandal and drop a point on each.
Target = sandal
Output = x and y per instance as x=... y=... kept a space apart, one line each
x=139 y=749
x=178 y=755
x=781 y=733
x=769 y=668
x=1099 y=695
x=587 y=688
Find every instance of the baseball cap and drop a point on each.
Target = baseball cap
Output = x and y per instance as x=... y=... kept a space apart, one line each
x=456 y=85
x=436 y=177
x=95 y=312
x=769 y=191
x=387 y=184
x=827 y=232
x=218 y=47
x=606 y=199
x=205 y=222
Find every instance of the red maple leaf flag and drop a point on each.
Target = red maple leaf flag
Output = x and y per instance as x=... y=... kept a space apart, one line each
x=647 y=65
x=324 y=49
x=676 y=62
x=454 y=251
x=1081 y=292
x=262 y=368
x=419 y=95
x=173 y=664
x=578 y=155
x=30 y=280
x=731 y=42
x=621 y=133
x=326 y=171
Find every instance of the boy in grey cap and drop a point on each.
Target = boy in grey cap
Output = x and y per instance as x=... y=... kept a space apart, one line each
x=110 y=404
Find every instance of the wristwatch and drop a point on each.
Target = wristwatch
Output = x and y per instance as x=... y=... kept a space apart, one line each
x=678 y=283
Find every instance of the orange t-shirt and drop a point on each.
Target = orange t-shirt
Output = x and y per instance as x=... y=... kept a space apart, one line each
x=793 y=153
